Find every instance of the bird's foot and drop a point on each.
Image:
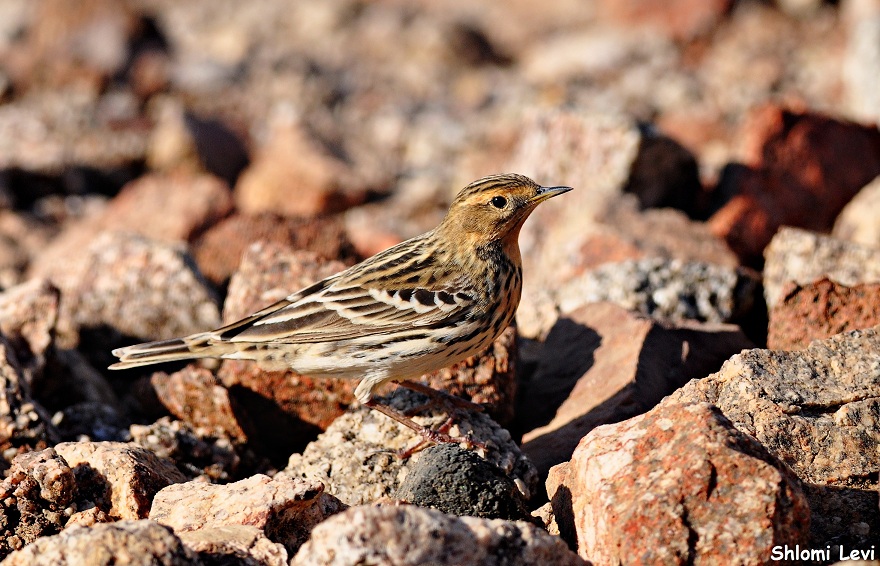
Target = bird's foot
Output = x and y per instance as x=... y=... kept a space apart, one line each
x=429 y=436
x=437 y=398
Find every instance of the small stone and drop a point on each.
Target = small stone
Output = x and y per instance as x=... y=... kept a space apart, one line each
x=28 y=315
x=242 y=545
x=803 y=257
x=458 y=482
x=119 y=478
x=819 y=310
x=857 y=222
x=284 y=508
x=136 y=543
x=409 y=536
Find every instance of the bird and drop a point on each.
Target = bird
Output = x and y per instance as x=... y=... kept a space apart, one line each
x=419 y=306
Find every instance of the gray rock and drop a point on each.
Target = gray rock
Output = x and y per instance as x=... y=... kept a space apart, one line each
x=458 y=482
x=802 y=257
x=138 y=287
x=410 y=536
x=817 y=410
x=124 y=543
x=356 y=456
x=664 y=289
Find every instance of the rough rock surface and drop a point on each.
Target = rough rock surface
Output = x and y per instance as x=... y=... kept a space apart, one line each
x=409 y=536
x=219 y=251
x=28 y=315
x=196 y=397
x=821 y=309
x=36 y=499
x=136 y=286
x=241 y=545
x=24 y=423
x=669 y=290
x=678 y=485
x=286 y=509
x=116 y=477
x=816 y=410
x=458 y=482
x=133 y=543
x=602 y=364
x=355 y=457
x=803 y=257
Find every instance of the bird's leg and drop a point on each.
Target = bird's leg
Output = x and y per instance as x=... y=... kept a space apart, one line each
x=437 y=397
x=428 y=436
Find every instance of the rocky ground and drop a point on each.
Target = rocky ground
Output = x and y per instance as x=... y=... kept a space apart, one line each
x=694 y=376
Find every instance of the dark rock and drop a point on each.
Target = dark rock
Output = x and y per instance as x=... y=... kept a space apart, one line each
x=458 y=482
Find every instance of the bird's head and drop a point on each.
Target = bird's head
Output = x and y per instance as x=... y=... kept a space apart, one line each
x=494 y=208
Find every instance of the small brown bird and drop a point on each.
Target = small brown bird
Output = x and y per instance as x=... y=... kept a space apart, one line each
x=419 y=306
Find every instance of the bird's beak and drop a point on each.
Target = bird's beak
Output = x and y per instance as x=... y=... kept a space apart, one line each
x=544 y=193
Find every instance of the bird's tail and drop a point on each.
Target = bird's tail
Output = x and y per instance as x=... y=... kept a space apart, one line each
x=191 y=347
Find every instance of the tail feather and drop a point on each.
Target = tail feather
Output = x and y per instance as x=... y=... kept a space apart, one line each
x=191 y=347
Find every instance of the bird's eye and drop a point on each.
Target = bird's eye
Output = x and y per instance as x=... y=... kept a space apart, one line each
x=498 y=202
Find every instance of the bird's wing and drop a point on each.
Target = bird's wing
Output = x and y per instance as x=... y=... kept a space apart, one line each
x=350 y=305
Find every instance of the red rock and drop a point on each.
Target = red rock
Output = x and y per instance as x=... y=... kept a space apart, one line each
x=819 y=310
x=680 y=19
x=280 y=399
x=196 y=397
x=294 y=175
x=219 y=250
x=800 y=170
x=679 y=485
x=602 y=364
x=119 y=478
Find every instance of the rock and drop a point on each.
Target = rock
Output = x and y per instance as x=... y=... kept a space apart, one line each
x=196 y=397
x=407 y=536
x=219 y=251
x=355 y=456
x=28 y=314
x=801 y=170
x=861 y=58
x=857 y=222
x=242 y=545
x=91 y=421
x=168 y=207
x=592 y=153
x=284 y=508
x=487 y=378
x=273 y=400
x=815 y=409
x=602 y=364
x=119 y=478
x=679 y=485
x=821 y=309
x=195 y=452
x=803 y=257
x=458 y=482
x=129 y=543
x=669 y=290
x=681 y=20
x=138 y=287
x=22 y=237
x=36 y=499
x=24 y=423
x=294 y=174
